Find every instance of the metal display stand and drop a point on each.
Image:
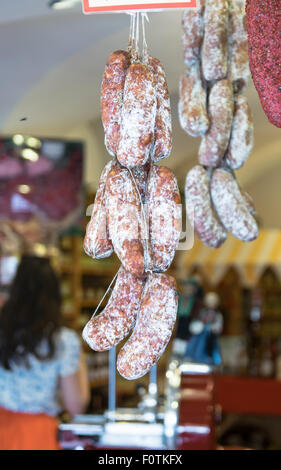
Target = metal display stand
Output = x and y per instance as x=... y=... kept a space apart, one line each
x=186 y=421
x=151 y=400
x=112 y=385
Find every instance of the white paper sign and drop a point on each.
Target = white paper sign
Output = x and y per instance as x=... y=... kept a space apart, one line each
x=95 y=6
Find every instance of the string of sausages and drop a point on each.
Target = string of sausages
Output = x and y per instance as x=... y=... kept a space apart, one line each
x=212 y=106
x=136 y=212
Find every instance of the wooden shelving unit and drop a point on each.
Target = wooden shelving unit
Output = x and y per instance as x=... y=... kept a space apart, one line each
x=84 y=282
x=87 y=281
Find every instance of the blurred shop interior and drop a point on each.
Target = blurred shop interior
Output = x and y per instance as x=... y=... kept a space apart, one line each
x=51 y=157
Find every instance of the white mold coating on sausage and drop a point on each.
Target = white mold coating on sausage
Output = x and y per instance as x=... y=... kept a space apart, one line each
x=154 y=327
x=231 y=206
x=164 y=210
x=114 y=323
x=162 y=145
x=96 y=241
x=242 y=134
x=199 y=208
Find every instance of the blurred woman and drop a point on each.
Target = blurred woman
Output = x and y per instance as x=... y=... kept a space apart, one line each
x=41 y=364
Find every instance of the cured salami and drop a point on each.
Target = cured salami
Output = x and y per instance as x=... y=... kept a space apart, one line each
x=137 y=117
x=124 y=219
x=96 y=241
x=193 y=115
x=199 y=208
x=214 y=48
x=231 y=206
x=164 y=216
x=242 y=134
x=163 y=122
x=112 y=97
x=114 y=323
x=153 y=328
x=215 y=141
x=192 y=32
x=263 y=25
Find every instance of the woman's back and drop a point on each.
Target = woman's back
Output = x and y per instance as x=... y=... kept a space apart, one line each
x=35 y=389
x=39 y=360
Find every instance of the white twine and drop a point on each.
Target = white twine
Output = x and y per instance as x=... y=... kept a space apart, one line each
x=137 y=35
x=105 y=294
x=144 y=43
x=100 y=206
x=131 y=45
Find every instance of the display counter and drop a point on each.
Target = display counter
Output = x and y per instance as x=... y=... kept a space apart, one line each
x=196 y=397
x=248 y=395
x=185 y=421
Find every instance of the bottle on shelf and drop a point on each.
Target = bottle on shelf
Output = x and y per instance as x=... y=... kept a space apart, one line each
x=254 y=319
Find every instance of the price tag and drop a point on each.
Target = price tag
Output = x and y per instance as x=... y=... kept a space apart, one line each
x=96 y=6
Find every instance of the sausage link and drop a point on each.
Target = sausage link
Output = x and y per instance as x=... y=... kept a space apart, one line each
x=137 y=117
x=114 y=323
x=199 y=208
x=124 y=219
x=215 y=141
x=231 y=206
x=112 y=97
x=192 y=110
x=192 y=32
x=164 y=215
x=153 y=328
x=163 y=123
x=242 y=134
x=214 y=48
x=263 y=26
x=96 y=241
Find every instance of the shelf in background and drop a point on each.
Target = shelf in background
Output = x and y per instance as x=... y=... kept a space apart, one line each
x=92 y=303
x=99 y=382
x=87 y=270
x=94 y=271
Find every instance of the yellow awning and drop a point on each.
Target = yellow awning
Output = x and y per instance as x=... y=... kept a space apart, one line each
x=250 y=259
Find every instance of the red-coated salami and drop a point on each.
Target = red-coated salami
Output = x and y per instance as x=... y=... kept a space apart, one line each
x=263 y=25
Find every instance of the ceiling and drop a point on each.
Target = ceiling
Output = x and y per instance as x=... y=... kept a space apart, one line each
x=51 y=68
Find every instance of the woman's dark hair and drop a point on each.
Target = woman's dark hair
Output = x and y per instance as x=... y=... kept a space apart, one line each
x=31 y=314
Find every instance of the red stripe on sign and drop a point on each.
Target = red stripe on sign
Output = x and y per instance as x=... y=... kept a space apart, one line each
x=150 y=6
